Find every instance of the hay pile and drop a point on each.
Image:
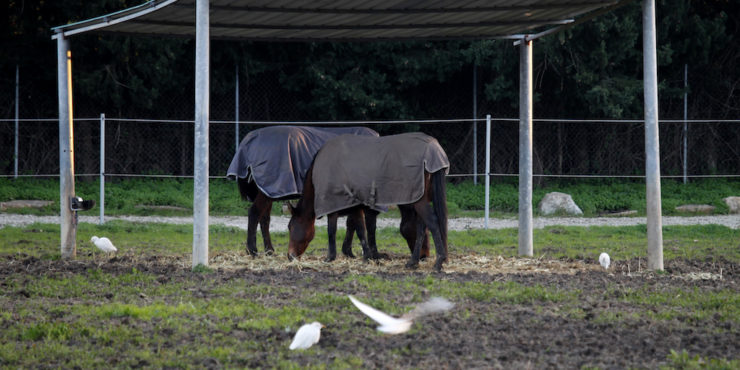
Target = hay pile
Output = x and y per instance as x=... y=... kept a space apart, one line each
x=396 y=264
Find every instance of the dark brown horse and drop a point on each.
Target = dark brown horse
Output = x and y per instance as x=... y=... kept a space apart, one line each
x=359 y=219
x=332 y=186
x=270 y=164
x=259 y=212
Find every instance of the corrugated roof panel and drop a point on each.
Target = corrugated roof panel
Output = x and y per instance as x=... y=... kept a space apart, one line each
x=349 y=19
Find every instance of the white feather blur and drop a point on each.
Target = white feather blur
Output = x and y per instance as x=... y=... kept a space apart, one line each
x=393 y=325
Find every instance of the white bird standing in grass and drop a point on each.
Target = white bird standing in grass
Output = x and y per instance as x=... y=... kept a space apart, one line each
x=307 y=336
x=604 y=260
x=104 y=244
x=392 y=325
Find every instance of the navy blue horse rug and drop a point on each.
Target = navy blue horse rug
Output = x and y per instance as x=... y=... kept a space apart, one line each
x=276 y=158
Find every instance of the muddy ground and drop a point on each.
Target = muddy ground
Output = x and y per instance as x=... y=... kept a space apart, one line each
x=477 y=334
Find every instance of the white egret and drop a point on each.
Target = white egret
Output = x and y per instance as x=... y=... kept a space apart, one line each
x=306 y=336
x=104 y=244
x=393 y=325
x=604 y=260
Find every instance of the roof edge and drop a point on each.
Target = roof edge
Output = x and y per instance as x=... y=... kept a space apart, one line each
x=110 y=19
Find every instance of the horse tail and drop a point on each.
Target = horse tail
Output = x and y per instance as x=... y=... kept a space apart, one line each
x=243 y=185
x=440 y=202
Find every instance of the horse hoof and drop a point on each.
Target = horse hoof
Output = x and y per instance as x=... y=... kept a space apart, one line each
x=292 y=257
x=269 y=252
x=329 y=258
x=438 y=264
x=348 y=253
x=412 y=265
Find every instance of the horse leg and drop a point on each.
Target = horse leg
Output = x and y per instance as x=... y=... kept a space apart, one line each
x=265 y=228
x=360 y=227
x=371 y=218
x=347 y=244
x=254 y=213
x=424 y=211
x=408 y=230
x=331 y=221
x=420 y=229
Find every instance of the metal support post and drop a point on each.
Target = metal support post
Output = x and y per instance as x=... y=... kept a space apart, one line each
x=685 y=123
x=67 y=219
x=236 y=113
x=652 y=150
x=202 y=99
x=526 y=245
x=17 y=103
x=102 y=168
x=488 y=166
x=475 y=124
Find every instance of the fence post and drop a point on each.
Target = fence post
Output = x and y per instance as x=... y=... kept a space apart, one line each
x=475 y=124
x=102 y=168
x=236 y=113
x=685 y=124
x=17 y=101
x=488 y=165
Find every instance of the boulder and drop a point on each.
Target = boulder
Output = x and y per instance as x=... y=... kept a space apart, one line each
x=24 y=204
x=696 y=208
x=558 y=202
x=733 y=203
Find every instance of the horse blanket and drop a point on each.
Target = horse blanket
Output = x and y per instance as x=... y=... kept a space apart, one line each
x=276 y=158
x=374 y=171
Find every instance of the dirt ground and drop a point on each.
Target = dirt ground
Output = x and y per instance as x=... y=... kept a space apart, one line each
x=482 y=334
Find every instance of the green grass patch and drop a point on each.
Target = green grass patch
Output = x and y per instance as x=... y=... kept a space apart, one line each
x=141 y=196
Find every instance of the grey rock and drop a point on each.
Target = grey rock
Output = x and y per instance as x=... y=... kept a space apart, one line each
x=733 y=203
x=558 y=202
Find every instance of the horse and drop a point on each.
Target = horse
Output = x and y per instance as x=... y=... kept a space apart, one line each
x=359 y=219
x=259 y=212
x=270 y=165
x=345 y=177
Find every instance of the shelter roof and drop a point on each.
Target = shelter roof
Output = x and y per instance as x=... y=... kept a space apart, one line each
x=349 y=20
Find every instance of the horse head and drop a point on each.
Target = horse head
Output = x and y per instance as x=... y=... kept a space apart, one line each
x=301 y=230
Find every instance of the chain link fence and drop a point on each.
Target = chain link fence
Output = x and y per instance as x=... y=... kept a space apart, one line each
x=562 y=148
x=163 y=144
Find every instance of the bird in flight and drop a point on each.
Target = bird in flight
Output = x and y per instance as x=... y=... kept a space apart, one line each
x=394 y=325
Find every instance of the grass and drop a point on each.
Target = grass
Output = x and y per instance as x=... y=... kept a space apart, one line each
x=98 y=318
x=556 y=242
x=594 y=197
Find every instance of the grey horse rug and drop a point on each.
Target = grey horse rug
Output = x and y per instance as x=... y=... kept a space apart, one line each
x=276 y=158
x=374 y=171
